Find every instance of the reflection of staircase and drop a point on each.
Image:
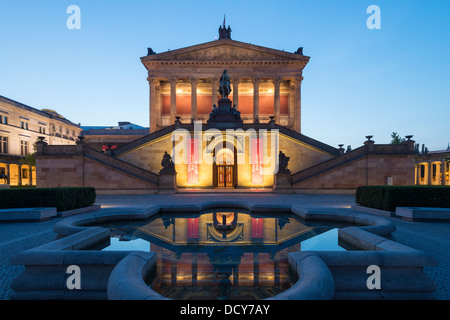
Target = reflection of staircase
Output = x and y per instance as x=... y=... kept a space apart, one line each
x=120 y=165
x=329 y=165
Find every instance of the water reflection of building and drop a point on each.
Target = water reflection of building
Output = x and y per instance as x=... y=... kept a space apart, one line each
x=245 y=252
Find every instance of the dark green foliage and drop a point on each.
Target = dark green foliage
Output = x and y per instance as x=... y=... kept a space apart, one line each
x=67 y=198
x=390 y=197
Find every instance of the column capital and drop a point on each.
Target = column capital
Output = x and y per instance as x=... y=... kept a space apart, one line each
x=214 y=80
x=173 y=81
x=276 y=81
x=297 y=80
x=194 y=80
x=256 y=80
x=153 y=81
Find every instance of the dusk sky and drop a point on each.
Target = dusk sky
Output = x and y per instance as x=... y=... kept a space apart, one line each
x=359 y=81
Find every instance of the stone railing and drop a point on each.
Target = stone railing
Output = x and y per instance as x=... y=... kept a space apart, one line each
x=329 y=164
x=121 y=165
x=369 y=148
x=83 y=150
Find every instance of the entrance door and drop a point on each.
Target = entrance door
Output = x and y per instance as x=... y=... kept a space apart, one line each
x=225 y=176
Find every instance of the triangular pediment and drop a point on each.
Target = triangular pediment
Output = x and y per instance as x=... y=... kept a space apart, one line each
x=225 y=50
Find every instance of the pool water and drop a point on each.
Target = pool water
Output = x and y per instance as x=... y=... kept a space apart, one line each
x=222 y=254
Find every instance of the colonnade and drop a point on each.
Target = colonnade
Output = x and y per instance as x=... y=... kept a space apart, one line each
x=18 y=174
x=432 y=173
x=294 y=97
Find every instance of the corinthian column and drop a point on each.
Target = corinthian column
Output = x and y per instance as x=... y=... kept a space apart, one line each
x=297 y=104
x=236 y=92
x=153 y=83
x=276 y=99
x=256 y=82
x=214 y=90
x=173 y=99
x=194 y=82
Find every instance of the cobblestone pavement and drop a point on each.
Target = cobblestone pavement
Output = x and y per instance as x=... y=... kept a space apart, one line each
x=429 y=237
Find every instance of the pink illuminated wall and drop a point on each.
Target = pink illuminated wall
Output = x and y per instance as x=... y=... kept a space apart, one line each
x=257 y=163
x=192 y=161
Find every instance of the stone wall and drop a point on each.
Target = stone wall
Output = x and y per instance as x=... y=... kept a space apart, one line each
x=366 y=170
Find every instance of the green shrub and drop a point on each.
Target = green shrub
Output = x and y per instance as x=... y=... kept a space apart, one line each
x=67 y=198
x=390 y=197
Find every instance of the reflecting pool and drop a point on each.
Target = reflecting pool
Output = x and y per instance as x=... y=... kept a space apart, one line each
x=222 y=254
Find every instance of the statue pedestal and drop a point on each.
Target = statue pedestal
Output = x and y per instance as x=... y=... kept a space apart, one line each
x=225 y=117
x=282 y=182
x=167 y=181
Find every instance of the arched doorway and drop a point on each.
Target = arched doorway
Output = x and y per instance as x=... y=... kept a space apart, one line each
x=225 y=168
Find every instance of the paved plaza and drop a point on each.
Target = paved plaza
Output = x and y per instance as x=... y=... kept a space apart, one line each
x=430 y=237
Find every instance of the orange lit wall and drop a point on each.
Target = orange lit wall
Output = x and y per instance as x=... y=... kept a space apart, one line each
x=205 y=103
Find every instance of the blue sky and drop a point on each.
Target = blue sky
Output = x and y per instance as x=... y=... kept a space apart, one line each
x=358 y=82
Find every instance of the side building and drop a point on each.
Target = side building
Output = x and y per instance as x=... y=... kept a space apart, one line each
x=20 y=128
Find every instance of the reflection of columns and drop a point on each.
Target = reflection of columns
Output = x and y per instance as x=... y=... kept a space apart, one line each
x=256 y=82
x=214 y=90
x=154 y=84
x=173 y=99
x=194 y=98
x=255 y=269
x=276 y=99
x=236 y=92
x=297 y=104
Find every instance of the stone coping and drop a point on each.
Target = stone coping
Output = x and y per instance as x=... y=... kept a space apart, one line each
x=27 y=214
x=423 y=214
x=315 y=280
x=373 y=211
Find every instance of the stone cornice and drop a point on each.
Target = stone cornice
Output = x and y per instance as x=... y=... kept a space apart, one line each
x=217 y=43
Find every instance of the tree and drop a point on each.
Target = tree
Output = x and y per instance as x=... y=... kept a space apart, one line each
x=396 y=138
x=30 y=159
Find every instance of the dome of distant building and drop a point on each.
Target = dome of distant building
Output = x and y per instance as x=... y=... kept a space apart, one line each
x=53 y=113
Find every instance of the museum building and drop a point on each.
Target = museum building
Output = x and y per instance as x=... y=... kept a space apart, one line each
x=225 y=114
x=20 y=127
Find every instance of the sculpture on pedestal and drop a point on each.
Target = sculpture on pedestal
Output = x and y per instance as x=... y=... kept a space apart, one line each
x=225 y=85
x=283 y=161
x=225 y=116
x=167 y=163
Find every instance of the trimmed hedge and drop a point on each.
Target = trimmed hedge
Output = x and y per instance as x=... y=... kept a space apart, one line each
x=389 y=197
x=66 y=198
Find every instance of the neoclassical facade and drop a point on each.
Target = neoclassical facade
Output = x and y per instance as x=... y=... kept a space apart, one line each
x=225 y=114
x=20 y=128
x=265 y=82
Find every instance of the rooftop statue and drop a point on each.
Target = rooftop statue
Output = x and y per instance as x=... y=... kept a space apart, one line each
x=224 y=33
